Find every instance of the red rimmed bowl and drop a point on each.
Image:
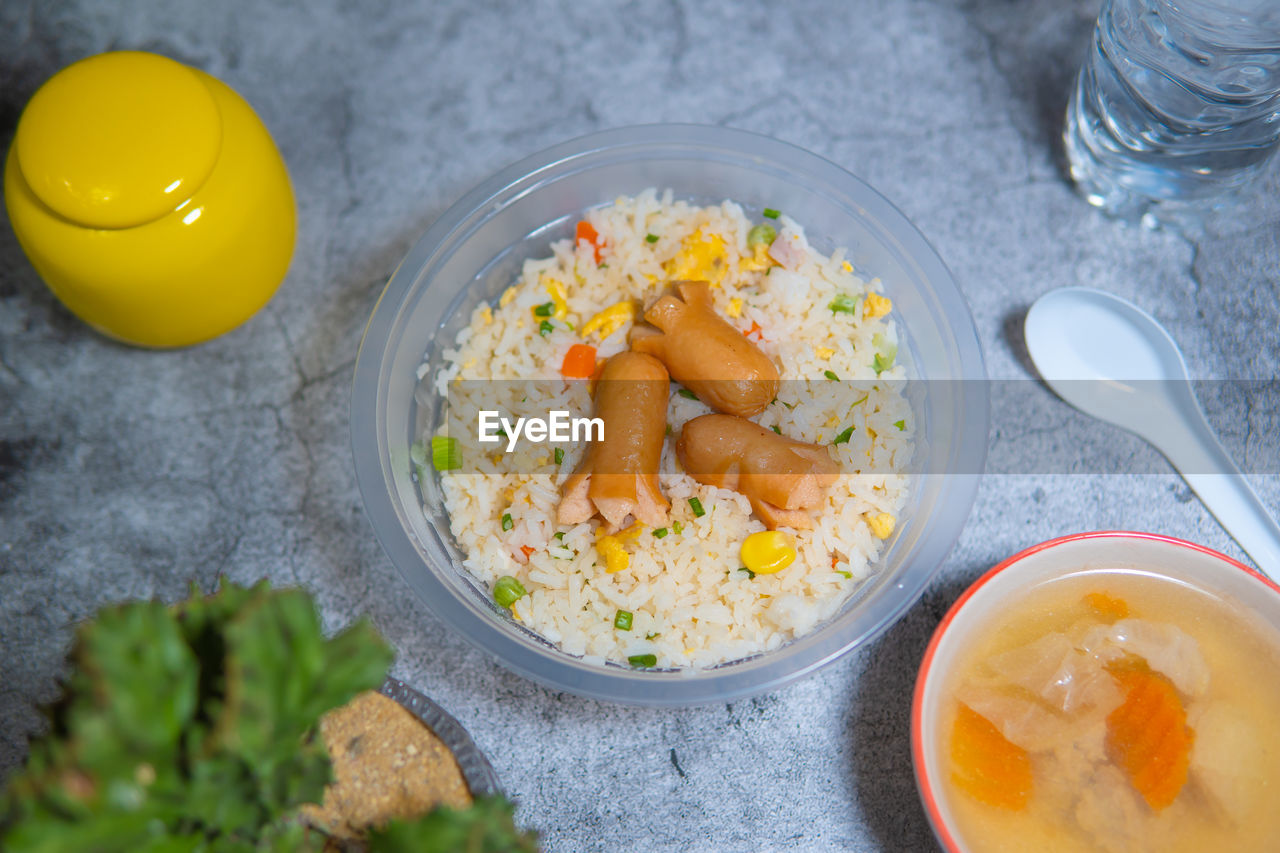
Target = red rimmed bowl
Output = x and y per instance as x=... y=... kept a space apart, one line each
x=1150 y=553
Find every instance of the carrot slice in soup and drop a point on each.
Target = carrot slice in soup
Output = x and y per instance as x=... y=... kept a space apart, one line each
x=1106 y=606
x=1148 y=736
x=986 y=765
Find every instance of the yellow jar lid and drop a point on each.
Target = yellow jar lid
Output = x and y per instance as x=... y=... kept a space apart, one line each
x=118 y=139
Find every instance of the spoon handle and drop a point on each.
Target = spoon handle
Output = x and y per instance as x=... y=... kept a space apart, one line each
x=1190 y=444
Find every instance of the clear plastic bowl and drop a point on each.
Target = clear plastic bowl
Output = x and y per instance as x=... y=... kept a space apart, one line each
x=475 y=250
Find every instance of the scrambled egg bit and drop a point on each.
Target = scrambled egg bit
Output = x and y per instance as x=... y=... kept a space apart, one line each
x=881 y=524
x=702 y=257
x=759 y=259
x=610 y=319
x=611 y=550
x=876 y=305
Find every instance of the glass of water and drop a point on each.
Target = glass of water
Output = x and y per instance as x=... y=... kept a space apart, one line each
x=1176 y=107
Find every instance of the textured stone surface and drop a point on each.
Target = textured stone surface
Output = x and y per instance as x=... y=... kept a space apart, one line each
x=130 y=473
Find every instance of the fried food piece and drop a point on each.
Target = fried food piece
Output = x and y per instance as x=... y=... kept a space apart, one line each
x=618 y=476
x=781 y=477
x=386 y=764
x=705 y=354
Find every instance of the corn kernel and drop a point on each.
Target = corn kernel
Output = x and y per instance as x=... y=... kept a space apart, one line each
x=876 y=306
x=486 y=314
x=881 y=524
x=768 y=552
x=609 y=320
x=823 y=353
x=846 y=266
x=735 y=307
x=507 y=295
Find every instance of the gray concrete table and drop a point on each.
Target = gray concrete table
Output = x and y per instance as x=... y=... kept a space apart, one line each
x=126 y=473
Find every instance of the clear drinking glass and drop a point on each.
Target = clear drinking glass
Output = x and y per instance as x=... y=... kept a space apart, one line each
x=1176 y=107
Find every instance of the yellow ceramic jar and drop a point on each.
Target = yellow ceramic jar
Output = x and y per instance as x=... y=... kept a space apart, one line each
x=150 y=198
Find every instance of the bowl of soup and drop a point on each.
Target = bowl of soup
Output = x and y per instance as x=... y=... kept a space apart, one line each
x=1110 y=691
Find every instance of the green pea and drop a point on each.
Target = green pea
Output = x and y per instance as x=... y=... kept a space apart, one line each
x=762 y=233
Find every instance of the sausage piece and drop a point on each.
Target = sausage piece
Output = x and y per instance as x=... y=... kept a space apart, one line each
x=705 y=354
x=618 y=475
x=781 y=477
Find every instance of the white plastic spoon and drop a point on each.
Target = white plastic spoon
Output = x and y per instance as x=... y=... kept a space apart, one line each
x=1111 y=360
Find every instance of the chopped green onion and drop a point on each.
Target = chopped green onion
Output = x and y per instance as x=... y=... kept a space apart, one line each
x=507 y=591
x=831 y=374
x=687 y=394
x=843 y=437
x=670 y=431
x=902 y=424
x=544 y=310
x=775 y=429
x=445 y=455
x=651 y=636
x=659 y=532
x=886 y=352
x=507 y=523
x=763 y=233
x=602 y=266
x=750 y=574
x=643 y=661
x=848 y=575
x=560 y=535
x=696 y=506
x=559 y=455
x=622 y=620
x=843 y=304
x=677 y=527
x=545 y=328
x=418 y=453
x=770 y=213
x=651 y=238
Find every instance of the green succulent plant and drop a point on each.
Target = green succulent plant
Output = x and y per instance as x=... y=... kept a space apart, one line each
x=192 y=727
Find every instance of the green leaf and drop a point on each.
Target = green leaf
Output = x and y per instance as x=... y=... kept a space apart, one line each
x=282 y=675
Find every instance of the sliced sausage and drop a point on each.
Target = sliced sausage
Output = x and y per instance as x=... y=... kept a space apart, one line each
x=782 y=477
x=618 y=475
x=705 y=354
